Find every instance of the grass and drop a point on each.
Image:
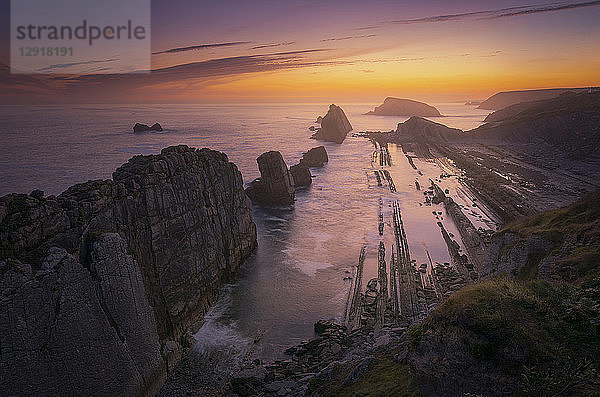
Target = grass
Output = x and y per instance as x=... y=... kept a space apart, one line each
x=384 y=377
x=518 y=326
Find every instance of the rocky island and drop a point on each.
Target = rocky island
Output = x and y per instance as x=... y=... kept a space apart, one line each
x=404 y=107
x=103 y=285
x=334 y=126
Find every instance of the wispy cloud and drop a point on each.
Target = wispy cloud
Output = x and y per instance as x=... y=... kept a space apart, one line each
x=201 y=47
x=498 y=13
x=68 y=65
x=285 y=43
x=365 y=36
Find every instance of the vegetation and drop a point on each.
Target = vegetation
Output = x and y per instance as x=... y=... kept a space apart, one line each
x=531 y=331
x=383 y=377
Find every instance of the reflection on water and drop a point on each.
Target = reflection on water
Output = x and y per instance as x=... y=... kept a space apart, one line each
x=299 y=273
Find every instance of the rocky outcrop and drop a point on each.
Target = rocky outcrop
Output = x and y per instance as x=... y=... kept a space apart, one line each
x=404 y=107
x=557 y=245
x=101 y=285
x=334 y=126
x=418 y=129
x=315 y=157
x=301 y=175
x=275 y=186
x=507 y=98
x=143 y=127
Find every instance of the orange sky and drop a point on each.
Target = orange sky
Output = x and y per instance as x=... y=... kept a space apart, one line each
x=357 y=53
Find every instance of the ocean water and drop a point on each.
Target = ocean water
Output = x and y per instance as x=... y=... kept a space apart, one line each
x=300 y=271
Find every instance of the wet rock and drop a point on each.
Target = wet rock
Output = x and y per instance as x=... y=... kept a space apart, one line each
x=143 y=127
x=276 y=185
x=334 y=126
x=301 y=175
x=315 y=157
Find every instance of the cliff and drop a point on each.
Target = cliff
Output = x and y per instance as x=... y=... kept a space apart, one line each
x=334 y=126
x=404 y=107
x=101 y=285
x=507 y=98
x=570 y=122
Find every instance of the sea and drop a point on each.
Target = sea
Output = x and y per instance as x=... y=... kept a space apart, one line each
x=302 y=269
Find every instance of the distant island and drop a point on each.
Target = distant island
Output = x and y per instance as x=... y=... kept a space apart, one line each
x=508 y=98
x=404 y=107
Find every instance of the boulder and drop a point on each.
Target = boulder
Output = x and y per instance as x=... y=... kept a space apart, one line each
x=315 y=157
x=334 y=126
x=143 y=127
x=404 y=107
x=301 y=175
x=275 y=186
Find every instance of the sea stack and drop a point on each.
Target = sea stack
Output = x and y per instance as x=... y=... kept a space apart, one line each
x=334 y=126
x=103 y=286
x=404 y=107
x=275 y=187
x=301 y=175
x=144 y=128
x=315 y=157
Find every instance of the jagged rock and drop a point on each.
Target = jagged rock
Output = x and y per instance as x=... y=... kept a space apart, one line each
x=64 y=326
x=275 y=185
x=315 y=157
x=334 y=126
x=301 y=175
x=404 y=107
x=109 y=274
x=143 y=127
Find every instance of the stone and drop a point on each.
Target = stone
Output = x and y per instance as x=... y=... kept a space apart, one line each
x=334 y=126
x=404 y=107
x=301 y=175
x=275 y=187
x=315 y=157
x=120 y=270
x=138 y=127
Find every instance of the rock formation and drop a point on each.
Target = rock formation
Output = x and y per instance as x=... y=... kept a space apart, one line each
x=417 y=129
x=334 y=126
x=101 y=285
x=301 y=175
x=507 y=98
x=275 y=186
x=315 y=157
x=143 y=127
x=404 y=107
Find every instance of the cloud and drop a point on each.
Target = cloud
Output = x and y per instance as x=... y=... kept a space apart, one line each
x=350 y=37
x=498 y=13
x=201 y=47
x=68 y=65
x=285 y=43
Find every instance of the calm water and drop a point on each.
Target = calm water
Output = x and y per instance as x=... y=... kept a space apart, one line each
x=297 y=275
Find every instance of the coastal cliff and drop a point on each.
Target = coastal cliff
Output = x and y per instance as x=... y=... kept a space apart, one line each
x=106 y=281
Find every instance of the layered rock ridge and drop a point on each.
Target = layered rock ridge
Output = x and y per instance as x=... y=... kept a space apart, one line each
x=101 y=285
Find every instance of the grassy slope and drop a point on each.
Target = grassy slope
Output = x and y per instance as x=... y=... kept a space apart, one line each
x=579 y=222
x=542 y=335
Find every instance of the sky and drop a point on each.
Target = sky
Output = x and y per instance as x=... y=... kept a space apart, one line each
x=336 y=51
